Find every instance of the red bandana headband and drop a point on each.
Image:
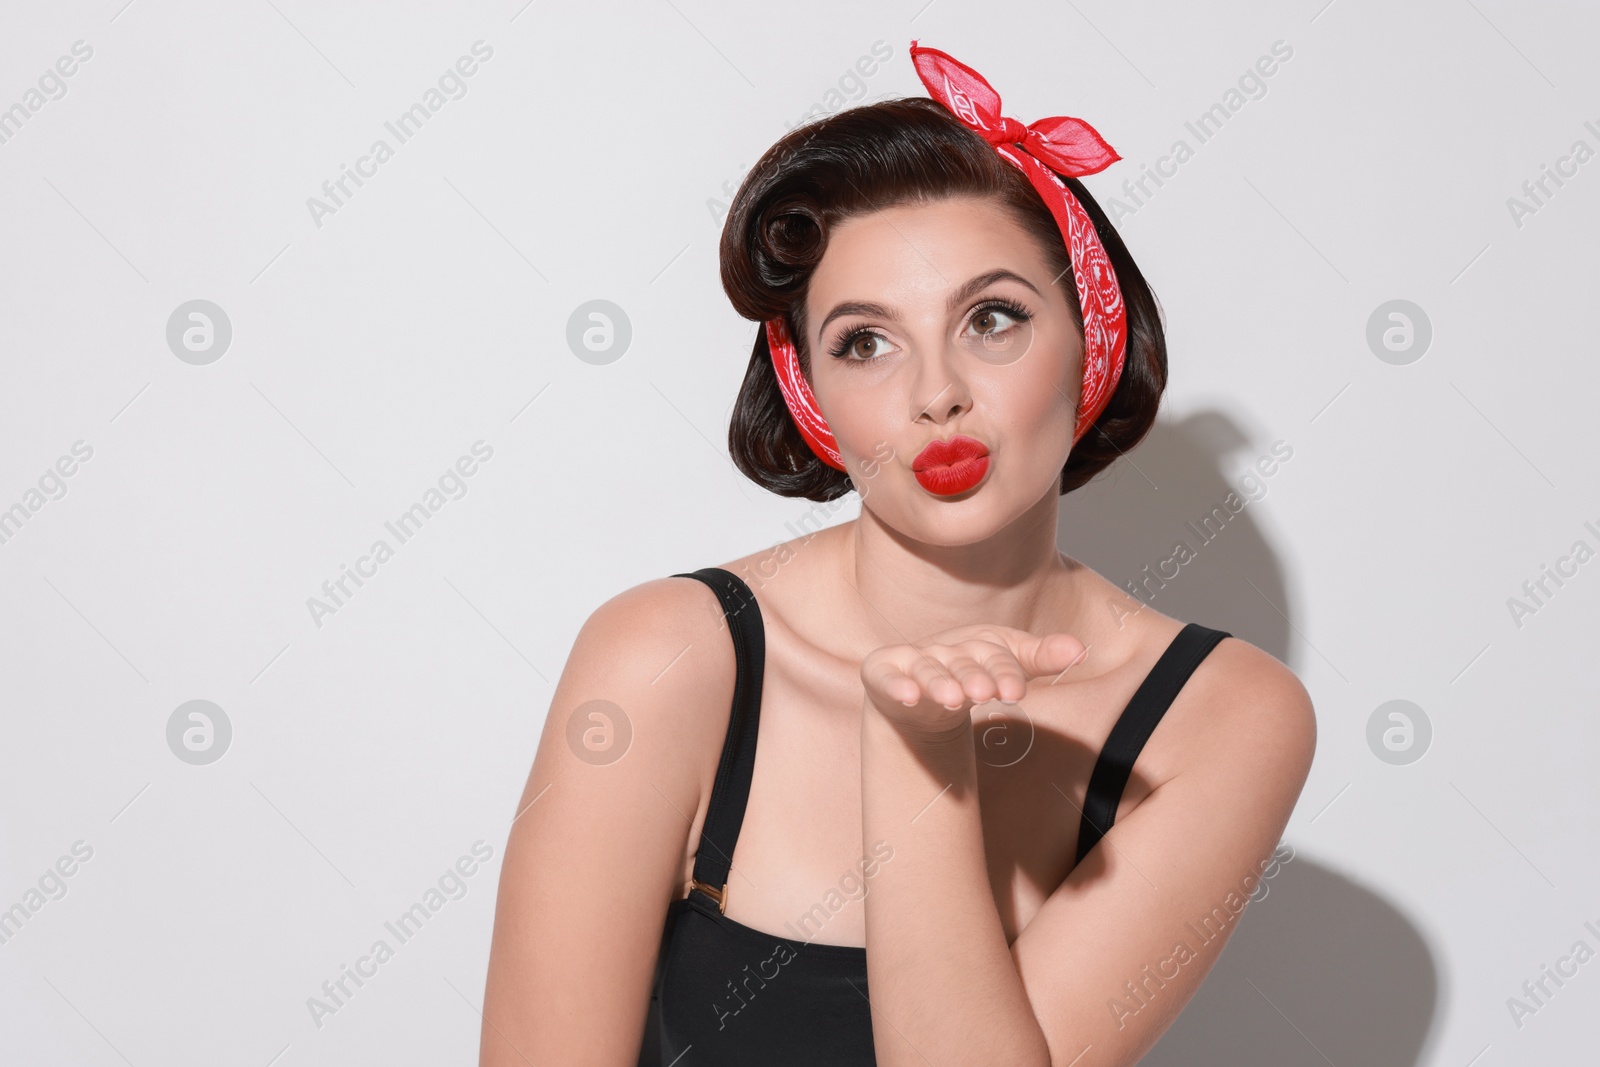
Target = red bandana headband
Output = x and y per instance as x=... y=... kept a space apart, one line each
x=1042 y=151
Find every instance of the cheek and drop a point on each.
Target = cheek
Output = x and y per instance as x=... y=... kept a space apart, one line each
x=860 y=411
x=1067 y=370
x=1039 y=391
x=1035 y=421
x=1037 y=404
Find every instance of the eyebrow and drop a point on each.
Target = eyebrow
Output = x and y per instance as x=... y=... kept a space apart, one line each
x=961 y=295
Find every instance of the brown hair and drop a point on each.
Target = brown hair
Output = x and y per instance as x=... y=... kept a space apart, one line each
x=865 y=159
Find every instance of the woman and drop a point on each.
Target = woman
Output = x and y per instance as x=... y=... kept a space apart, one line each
x=957 y=835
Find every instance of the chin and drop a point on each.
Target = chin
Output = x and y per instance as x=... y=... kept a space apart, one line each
x=951 y=522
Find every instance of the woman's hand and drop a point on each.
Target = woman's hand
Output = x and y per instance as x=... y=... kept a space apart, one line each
x=927 y=689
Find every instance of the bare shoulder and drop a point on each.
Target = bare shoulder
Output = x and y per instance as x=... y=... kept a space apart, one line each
x=642 y=703
x=646 y=619
x=1241 y=711
x=661 y=653
x=1253 y=712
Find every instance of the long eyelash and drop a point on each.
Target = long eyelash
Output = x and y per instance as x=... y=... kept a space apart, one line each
x=844 y=344
x=1010 y=307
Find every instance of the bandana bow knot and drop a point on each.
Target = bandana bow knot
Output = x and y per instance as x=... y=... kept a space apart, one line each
x=1065 y=144
x=1042 y=150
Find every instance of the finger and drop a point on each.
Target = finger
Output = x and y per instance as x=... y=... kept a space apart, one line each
x=1011 y=681
x=883 y=675
x=1038 y=656
x=975 y=678
x=935 y=678
x=1068 y=651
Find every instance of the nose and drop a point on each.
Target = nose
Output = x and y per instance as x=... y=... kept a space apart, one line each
x=939 y=392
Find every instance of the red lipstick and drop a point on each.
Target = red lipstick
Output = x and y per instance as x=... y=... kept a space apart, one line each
x=953 y=466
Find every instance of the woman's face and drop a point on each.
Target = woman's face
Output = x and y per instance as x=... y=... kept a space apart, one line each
x=930 y=321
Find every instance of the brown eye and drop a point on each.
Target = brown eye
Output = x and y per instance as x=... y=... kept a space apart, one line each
x=993 y=320
x=1000 y=331
x=862 y=346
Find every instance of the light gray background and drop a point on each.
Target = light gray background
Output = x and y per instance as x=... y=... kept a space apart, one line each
x=431 y=311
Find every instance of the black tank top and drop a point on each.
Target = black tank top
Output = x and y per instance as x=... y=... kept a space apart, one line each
x=725 y=993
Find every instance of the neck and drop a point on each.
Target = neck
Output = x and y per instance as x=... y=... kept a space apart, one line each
x=908 y=591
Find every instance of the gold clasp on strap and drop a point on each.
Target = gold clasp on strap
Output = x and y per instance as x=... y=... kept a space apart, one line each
x=718 y=895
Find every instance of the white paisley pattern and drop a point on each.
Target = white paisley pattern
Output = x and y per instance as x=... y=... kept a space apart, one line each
x=1105 y=319
x=797 y=395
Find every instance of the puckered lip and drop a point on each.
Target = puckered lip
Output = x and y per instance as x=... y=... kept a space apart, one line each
x=942 y=453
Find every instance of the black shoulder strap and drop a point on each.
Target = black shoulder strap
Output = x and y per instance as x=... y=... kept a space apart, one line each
x=1134 y=727
x=725 y=813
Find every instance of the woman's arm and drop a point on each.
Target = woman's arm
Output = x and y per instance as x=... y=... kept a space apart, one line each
x=943 y=985
x=1118 y=949
x=595 y=850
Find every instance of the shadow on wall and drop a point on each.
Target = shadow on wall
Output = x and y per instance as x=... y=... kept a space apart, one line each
x=1350 y=979
x=1179 y=516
